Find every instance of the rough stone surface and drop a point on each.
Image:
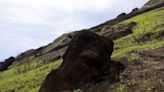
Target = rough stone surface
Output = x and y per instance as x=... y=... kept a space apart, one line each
x=118 y=31
x=153 y=4
x=86 y=61
x=121 y=15
x=6 y=64
x=134 y=10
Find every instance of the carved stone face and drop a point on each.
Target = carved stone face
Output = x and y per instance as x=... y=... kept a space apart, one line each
x=94 y=58
x=87 y=57
x=88 y=54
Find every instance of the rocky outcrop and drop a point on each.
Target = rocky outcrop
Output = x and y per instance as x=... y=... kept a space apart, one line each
x=122 y=15
x=134 y=11
x=6 y=64
x=118 y=31
x=86 y=61
x=153 y=4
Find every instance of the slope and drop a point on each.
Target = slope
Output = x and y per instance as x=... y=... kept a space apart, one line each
x=27 y=77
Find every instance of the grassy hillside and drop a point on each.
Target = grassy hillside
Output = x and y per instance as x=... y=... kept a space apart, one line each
x=28 y=77
x=145 y=35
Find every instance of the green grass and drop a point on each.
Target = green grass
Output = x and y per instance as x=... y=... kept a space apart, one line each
x=122 y=88
x=148 y=22
x=25 y=81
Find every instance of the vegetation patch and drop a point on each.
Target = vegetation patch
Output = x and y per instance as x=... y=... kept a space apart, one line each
x=26 y=80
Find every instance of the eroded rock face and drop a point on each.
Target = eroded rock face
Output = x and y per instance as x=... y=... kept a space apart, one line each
x=6 y=64
x=85 y=61
x=118 y=31
x=153 y=4
x=134 y=10
x=121 y=15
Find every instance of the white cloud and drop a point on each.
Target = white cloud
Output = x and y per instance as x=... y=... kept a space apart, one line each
x=32 y=23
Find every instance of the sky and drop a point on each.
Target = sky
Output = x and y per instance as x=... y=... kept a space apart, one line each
x=29 y=24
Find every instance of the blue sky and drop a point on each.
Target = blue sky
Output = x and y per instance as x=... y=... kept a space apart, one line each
x=29 y=24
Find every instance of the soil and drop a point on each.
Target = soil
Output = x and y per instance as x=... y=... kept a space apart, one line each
x=144 y=75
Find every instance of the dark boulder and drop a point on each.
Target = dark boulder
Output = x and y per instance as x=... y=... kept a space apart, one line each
x=6 y=64
x=122 y=15
x=135 y=10
x=86 y=59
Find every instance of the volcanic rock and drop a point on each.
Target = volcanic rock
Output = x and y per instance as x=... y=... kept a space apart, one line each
x=121 y=15
x=86 y=60
x=6 y=64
